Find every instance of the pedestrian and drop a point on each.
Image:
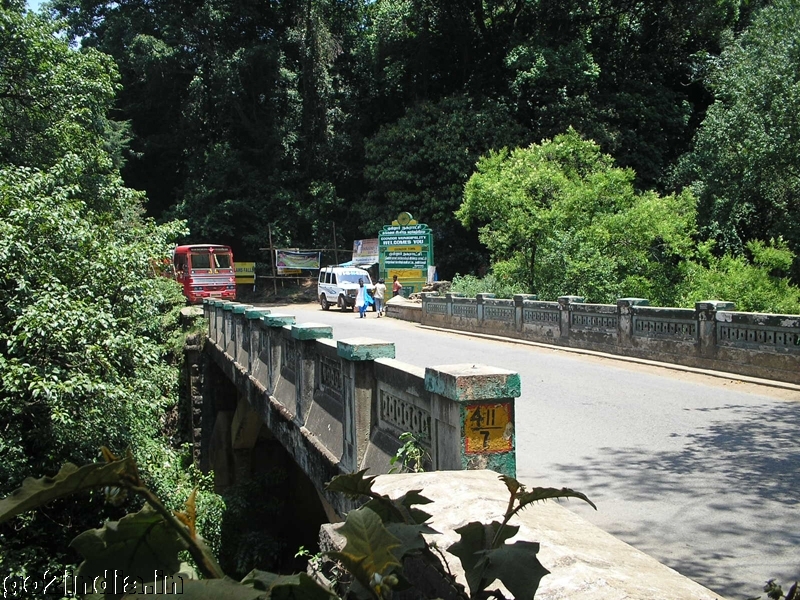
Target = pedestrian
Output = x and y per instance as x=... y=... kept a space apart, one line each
x=397 y=287
x=361 y=299
x=380 y=292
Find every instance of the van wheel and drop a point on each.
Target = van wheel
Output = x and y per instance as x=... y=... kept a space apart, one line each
x=342 y=304
x=324 y=302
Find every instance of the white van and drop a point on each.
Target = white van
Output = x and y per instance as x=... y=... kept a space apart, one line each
x=339 y=285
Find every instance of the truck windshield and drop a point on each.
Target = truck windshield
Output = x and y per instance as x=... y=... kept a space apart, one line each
x=203 y=261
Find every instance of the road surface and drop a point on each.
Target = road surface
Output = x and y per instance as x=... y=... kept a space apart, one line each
x=700 y=472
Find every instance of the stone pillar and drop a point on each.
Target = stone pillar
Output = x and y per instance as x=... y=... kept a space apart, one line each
x=566 y=313
x=254 y=345
x=306 y=335
x=485 y=397
x=193 y=357
x=706 y=315
x=519 y=305
x=208 y=315
x=480 y=300
x=360 y=397
x=219 y=322
x=241 y=341
x=449 y=299
x=425 y=297
x=625 y=319
x=228 y=329
x=274 y=324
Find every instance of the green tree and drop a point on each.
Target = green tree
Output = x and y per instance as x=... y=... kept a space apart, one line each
x=562 y=218
x=421 y=163
x=756 y=282
x=745 y=164
x=85 y=319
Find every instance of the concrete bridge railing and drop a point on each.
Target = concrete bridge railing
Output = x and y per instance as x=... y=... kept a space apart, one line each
x=340 y=406
x=710 y=336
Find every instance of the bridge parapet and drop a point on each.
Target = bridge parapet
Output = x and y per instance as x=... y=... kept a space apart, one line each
x=340 y=406
x=711 y=336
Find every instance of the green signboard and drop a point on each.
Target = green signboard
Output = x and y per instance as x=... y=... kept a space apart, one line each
x=405 y=249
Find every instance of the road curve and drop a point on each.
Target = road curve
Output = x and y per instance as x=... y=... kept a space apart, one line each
x=699 y=472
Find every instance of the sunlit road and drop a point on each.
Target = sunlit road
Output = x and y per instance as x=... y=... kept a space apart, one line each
x=700 y=472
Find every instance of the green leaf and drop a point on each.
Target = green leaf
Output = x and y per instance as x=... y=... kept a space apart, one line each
x=211 y=589
x=401 y=509
x=410 y=537
x=476 y=538
x=139 y=545
x=516 y=565
x=369 y=547
x=539 y=493
x=512 y=484
x=69 y=480
x=352 y=484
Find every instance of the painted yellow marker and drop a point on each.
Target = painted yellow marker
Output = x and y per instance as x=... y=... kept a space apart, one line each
x=488 y=428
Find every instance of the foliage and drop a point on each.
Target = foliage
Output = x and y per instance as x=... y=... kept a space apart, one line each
x=299 y=114
x=379 y=537
x=85 y=321
x=744 y=163
x=758 y=284
x=560 y=217
x=775 y=591
x=420 y=164
x=411 y=455
x=501 y=287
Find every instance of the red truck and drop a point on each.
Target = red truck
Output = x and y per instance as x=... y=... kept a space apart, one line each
x=205 y=271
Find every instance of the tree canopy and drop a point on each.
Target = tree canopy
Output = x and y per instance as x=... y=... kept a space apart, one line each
x=562 y=217
x=303 y=114
x=84 y=318
x=745 y=163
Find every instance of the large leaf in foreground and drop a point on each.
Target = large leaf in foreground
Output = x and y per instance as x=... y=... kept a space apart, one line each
x=352 y=484
x=539 y=493
x=369 y=546
x=139 y=545
x=69 y=480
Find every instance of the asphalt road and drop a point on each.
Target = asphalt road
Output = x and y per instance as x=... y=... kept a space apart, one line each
x=700 y=472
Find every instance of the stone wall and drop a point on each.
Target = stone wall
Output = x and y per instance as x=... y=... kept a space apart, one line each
x=710 y=336
x=340 y=406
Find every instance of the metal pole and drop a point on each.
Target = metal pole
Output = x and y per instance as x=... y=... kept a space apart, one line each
x=272 y=258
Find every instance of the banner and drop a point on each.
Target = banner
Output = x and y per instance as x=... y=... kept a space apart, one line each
x=286 y=260
x=365 y=251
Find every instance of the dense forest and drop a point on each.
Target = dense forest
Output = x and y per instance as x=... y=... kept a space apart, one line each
x=604 y=148
x=241 y=114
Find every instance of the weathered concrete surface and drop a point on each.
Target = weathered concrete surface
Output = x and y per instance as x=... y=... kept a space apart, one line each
x=363 y=348
x=401 y=308
x=585 y=563
x=467 y=382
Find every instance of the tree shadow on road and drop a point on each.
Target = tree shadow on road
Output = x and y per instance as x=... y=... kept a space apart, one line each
x=733 y=487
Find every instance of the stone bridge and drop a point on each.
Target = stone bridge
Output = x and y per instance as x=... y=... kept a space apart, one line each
x=339 y=406
x=260 y=381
